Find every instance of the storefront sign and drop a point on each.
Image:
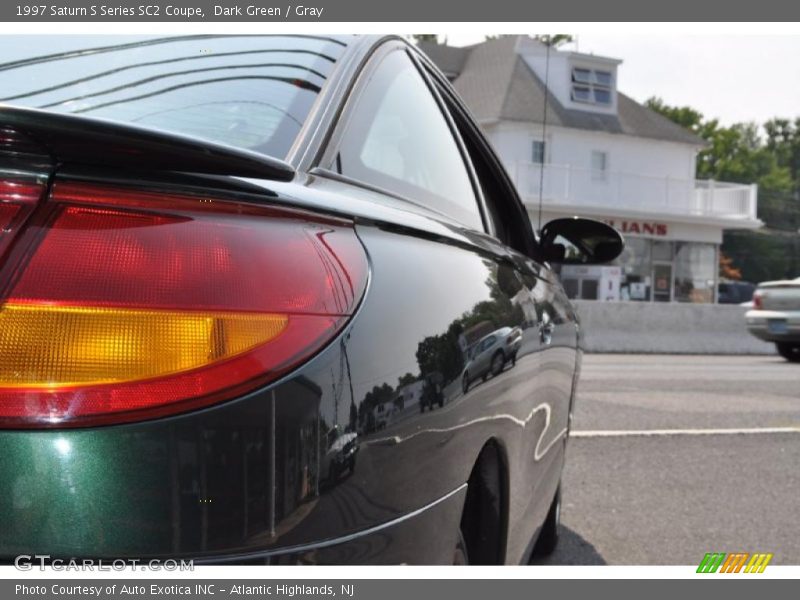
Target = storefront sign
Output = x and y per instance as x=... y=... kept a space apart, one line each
x=640 y=227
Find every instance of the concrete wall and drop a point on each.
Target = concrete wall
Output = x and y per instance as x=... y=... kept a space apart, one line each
x=667 y=328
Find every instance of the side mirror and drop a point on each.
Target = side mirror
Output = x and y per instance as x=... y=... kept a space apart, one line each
x=577 y=241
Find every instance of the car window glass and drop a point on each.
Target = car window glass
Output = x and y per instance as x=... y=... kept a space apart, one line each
x=497 y=196
x=253 y=92
x=400 y=141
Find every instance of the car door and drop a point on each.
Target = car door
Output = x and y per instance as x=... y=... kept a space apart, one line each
x=484 y=358
x=443 y=273
x=550 y=323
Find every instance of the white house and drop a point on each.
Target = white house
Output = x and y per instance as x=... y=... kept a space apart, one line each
x=590 y=150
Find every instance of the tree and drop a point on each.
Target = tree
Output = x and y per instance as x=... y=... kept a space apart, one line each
x=425 y=37
x=684 y=116
x=406 y=379
x=554 y=40
x=735 y=153
x=740 y=153
x=783 y=140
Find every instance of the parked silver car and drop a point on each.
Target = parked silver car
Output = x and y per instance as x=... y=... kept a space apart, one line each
x=775 y=316
x=490 y=354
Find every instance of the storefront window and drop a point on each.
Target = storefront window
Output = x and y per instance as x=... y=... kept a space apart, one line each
x=662 y=251
x=635 y=264
x=695 y=268
x=648 y=270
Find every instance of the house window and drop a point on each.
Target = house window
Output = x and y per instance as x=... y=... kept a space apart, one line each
x=602 y=78
x=591 y=86
x=602 y=96
x=695 y=271
x=582 y=75
x=599 y=165
x=581 y=93
x=537 y=152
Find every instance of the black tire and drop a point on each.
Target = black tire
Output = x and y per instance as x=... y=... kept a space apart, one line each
x=498 y=362
x=465 y=383
x=460 y=555
x=788 y=350
x=548 y=537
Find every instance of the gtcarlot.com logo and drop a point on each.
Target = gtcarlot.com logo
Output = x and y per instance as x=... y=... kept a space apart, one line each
x=26 y=562
x=737 y=562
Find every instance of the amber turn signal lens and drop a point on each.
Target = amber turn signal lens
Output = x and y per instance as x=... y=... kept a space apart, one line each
x=57 y=346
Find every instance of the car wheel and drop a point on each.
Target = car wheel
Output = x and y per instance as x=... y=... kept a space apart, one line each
x=548 y=537
x=465 y=383
x=789 y=351
x=460 y=556
x=498 y=362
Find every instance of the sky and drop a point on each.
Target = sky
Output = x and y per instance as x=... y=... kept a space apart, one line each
x=732 y=77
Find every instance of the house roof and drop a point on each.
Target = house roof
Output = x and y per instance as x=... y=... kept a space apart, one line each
x=450 y=59
x=497 y=84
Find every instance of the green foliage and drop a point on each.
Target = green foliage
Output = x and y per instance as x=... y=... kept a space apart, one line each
x=425 y=37
x=554 y=40
x=783 y=139
x=763 y=255
x=682 y=115
x=740 y=153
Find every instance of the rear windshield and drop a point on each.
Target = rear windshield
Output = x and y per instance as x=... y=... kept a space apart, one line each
x=251 y=92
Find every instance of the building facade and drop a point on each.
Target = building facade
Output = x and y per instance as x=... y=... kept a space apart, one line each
x=575 y=145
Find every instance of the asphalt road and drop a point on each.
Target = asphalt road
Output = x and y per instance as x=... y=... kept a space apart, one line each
x=676 y=456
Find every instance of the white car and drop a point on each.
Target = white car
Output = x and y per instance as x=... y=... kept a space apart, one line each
x=775 y=316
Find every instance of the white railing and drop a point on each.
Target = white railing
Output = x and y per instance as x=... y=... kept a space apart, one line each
x=574 y=186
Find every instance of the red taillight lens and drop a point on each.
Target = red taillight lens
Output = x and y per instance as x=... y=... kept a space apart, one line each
x=758 y=301
x=130 y=305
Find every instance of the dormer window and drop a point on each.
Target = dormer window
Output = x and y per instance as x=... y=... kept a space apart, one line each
x=591 y=86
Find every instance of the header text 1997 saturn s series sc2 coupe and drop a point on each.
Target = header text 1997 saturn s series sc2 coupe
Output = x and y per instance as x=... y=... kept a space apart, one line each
x=232 y=268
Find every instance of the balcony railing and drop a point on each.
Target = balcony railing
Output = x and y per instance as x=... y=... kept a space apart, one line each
x=572 y=186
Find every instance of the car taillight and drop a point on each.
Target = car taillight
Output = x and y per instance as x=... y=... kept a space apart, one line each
x=758 y=301
x=18 y=197
x=24 y=173
x=124 y=305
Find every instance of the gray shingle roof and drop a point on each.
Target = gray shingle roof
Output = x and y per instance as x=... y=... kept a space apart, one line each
x=497 y=84
x=450 y=59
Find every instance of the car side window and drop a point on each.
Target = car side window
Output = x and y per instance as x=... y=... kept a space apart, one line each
x=511 y=226
x=400 y=141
